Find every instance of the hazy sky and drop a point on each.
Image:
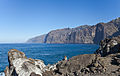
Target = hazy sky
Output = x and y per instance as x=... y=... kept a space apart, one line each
x=23 y=19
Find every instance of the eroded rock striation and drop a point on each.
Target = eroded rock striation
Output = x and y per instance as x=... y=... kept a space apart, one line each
x=82 y=34
x=105 y=62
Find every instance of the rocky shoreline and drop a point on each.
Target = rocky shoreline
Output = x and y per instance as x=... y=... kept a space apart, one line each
x=105 y=62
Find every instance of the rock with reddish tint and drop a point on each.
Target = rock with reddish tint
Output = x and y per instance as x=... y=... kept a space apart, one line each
x=7 y=71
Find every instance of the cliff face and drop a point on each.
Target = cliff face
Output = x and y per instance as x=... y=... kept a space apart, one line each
x=83 y=34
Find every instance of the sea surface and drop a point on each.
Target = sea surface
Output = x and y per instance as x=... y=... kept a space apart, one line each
x=49 y=53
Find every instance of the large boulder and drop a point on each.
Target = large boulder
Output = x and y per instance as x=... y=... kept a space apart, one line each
x=20 y=65
x=109 y=46
x=74 y=64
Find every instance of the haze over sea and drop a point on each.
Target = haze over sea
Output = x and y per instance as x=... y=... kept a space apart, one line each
x=49 y=53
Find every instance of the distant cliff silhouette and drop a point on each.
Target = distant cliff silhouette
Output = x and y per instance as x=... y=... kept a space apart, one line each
x=81 y=34
x=38 y=39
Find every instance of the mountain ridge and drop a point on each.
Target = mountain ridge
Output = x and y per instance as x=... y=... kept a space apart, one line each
x=81 y=34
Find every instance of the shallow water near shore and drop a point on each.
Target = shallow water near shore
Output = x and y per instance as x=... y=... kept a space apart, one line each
x=49 y=53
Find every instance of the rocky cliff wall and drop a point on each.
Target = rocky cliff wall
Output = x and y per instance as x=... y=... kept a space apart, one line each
x=82 y=34
x=75 y=35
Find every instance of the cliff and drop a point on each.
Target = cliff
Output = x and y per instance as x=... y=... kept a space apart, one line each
x=38 y=39
x=105 y=62
x=83 y=34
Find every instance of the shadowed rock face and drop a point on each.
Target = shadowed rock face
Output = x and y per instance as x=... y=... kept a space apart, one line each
x=109 y=46
x=105 y=62
x=82 y=34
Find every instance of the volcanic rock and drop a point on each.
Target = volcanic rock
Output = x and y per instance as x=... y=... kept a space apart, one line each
x=20 y=65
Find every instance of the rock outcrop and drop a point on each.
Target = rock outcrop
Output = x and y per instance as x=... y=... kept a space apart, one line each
x=82 y=34
x=105 y=62
x=88 y=65
x=20 y=65
x=109 y=46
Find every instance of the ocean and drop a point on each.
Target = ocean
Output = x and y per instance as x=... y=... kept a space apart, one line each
x=49 y=53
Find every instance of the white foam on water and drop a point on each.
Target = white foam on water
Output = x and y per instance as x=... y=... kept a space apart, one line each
x=2 y=74
x=45 y=54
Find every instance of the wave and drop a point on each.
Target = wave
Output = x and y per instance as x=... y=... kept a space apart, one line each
x=44 y=54
x=2 y=74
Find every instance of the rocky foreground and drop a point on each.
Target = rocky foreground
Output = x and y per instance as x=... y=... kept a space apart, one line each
x=105 y=62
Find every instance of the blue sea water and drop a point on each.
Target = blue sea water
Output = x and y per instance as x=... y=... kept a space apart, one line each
x=49 y=53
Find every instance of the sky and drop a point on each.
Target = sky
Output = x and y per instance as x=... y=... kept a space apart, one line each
x=24 y=19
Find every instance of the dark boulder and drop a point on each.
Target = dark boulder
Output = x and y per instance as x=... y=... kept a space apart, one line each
x=109 y=46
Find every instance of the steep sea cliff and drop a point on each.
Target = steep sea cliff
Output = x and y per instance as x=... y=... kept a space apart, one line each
x=82 y=34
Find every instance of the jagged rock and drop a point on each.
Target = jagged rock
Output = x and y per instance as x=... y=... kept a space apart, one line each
x=6 y=71
x=15 y=54
x=109 y=46
x=20 y=65
x=92 y=64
